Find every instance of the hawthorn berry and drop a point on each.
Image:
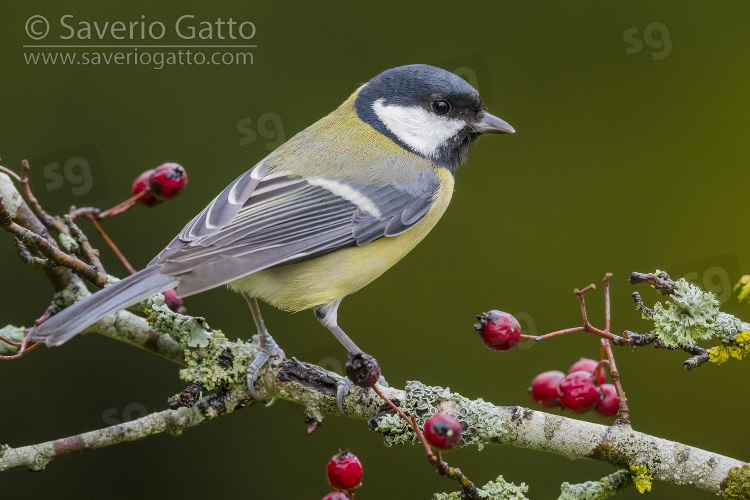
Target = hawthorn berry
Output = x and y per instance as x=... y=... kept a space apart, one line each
x=442 y=431
x=336 y=495
x=362 y=369
x=608 y=405
x=167 y=181
x=141 y=184
x=577 y=392
x=588 y=365
x=499 y=330
x=344 y=471
x=173 y=302
x=544 y=388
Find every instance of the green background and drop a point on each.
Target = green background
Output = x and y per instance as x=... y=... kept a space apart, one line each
x=621 y=162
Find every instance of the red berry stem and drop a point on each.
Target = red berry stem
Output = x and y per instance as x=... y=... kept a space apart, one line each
x=398 y=410
x=599 y=366
x=559 y=332
x=112 y=245
x=437 y=462
x=607 y=315
x=95 y=213
x=588 y=327
x=624 y=414
x=442 y=467
x=121 y=207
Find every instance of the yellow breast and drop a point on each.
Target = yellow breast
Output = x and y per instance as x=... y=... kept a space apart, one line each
x=333 y=276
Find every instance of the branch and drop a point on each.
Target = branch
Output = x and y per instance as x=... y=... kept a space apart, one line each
x=315 y=389
x=22 y=215
x=36 y=457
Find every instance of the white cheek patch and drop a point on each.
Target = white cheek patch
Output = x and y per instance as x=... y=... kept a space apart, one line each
x=418 y=128
x=348 y=193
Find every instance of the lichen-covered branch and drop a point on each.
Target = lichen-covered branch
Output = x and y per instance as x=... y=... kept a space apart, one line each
x=315 y=389
x=36 y=457
x=602 y=489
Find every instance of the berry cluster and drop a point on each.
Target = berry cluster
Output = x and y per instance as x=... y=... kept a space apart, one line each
x=582 y=389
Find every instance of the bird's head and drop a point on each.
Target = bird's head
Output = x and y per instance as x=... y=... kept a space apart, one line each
x=427 y=110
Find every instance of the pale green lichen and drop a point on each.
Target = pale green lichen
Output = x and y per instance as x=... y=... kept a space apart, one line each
x=205 y=366
x=606 y=487
x=499 y=489
x=187 y=330
x=689 y=315
x=729 y=327
x=211 y=359
x=480 y=420
x=13 y=334
x=67 y=243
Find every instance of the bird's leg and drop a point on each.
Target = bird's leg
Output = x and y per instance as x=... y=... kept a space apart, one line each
x=327 y=314
x=268 y=347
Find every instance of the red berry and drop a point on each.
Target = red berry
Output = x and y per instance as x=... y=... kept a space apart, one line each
x=141 y=184
x=544 y=388
x=172 y=301
x=336 y=495
x=608 y=406
x=588 y=365
x=362 y=369
x=442 y=431
x=577 y=392
x=344 y=471
x=167 y=180
x=499 y=330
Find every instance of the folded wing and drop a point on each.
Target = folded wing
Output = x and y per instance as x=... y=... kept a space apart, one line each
x=265 y=219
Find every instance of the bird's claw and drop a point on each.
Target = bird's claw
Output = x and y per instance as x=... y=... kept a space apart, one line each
x=270 y=348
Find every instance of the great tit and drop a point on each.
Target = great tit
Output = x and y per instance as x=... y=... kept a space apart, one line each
x=323 y=215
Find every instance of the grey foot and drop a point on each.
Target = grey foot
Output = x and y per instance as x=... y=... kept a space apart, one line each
x=343 y=388
x=267 y=350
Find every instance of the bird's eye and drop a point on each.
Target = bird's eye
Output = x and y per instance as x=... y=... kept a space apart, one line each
x=440 y=107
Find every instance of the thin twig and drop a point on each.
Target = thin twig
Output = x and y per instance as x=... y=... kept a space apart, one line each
x=660 y=281
x=114 y=248
x=86 y=250
x=96 y=213
x=31 y=239
x=51 y=223
x=641 y=306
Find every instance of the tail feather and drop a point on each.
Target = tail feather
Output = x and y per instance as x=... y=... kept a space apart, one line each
x=70 y=321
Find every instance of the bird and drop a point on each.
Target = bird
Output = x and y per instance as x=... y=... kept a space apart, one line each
x=323 y=215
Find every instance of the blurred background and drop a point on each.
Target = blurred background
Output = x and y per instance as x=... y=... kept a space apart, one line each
x=631 y=153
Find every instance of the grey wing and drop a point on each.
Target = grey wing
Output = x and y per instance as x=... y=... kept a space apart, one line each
x=264 y=219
